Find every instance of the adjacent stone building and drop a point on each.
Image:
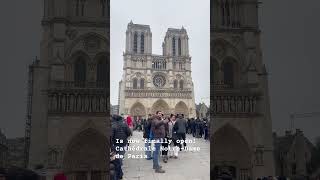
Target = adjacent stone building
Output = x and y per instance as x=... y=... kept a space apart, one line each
x=69 y=91
x=242 y=130
x=115 y=109
x=3 y=150
x=16 y=152
x=202 y=110
x=293 y=153
x=156 y=82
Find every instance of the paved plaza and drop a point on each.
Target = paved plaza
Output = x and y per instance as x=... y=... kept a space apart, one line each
x=191 y=165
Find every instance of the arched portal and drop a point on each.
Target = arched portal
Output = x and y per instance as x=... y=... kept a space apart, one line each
x=231 y=154
x=138 y=111
x=160 y=105
x=86 y=156
x=181 y=108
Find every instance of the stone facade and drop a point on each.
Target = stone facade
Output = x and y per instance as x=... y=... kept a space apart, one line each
x=69 y=101
x=156 y=82
x=293 y=154
x=202 y=110
x=242 y=130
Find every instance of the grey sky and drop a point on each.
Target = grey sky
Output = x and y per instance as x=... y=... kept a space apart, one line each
x=160 y=15
x=289 y=40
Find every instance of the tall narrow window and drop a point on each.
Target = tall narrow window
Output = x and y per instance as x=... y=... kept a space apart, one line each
x=82 y=7
x=228 y=74
x=135 y=83
x=173 y=46
x=77 y=7
x=179 y=46
x=181 y=84
x=142 y=83
x=175 y=84
x=102 y=73
x=142 y=44
x=103 y=8
x=80 y=72
x=135 y=43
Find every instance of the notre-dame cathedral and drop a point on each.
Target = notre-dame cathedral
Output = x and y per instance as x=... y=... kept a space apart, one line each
x=156 y=82
x=69 y=95
x=242 y=130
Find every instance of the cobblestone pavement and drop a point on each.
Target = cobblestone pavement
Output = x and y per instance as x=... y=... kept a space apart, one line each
x=191 y=165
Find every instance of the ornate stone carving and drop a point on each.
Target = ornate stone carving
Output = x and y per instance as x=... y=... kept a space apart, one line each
x=71 y=33
x=159 y=80
x=219 y=51
x=92 y=44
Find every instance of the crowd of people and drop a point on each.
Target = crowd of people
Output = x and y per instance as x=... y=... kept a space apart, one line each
x=198 y=127
x=167 y=136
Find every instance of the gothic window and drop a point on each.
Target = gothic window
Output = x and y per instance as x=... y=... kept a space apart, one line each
x=229 y=13
x=228 y=69
x=159 y=81
x=215 y=71
x=77 y=7
x=179 y=47
x=135 y=43
x=53 y=157
x=135 y=83
x=82 y=7
x=294 y=168
x=141 y=83
x=142 y=44
x=103 y=8
x=181 y=84
x=173 y=46
x=102 y=71
x=175 y=84
x=80 y=72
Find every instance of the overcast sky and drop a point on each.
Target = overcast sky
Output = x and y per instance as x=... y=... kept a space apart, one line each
x=290 y=42
x=193 y=15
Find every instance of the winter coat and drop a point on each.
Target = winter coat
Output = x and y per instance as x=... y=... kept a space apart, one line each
x=158 y=127
x=129 y=122
x=120 y=131
x=147 y=128
x=181 y=125
x=170 y=128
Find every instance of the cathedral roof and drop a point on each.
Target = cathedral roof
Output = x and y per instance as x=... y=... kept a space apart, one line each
x=138 y=26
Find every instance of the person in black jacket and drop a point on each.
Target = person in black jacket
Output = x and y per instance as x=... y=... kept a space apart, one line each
x=146 y=135
x=180 y=125
x=119 y=138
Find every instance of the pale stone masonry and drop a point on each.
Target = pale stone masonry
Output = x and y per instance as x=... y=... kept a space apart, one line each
x=156 y=82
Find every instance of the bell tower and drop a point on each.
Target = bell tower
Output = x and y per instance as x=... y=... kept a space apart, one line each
x=176 y=43
x=138 y=39
x=241 y=105
x=70 y=88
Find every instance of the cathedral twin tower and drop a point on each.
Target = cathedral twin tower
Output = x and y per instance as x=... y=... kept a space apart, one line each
x=156 y=82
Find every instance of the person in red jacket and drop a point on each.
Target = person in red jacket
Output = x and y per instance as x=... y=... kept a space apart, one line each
x=60 y=176
x=130 y=123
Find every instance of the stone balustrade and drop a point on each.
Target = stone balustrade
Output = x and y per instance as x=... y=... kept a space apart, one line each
x=160 y=93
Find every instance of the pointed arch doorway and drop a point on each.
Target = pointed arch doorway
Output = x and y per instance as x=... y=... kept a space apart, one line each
x=138 y=111
x=231 y=154
x=86 y=156
x=160 y=105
